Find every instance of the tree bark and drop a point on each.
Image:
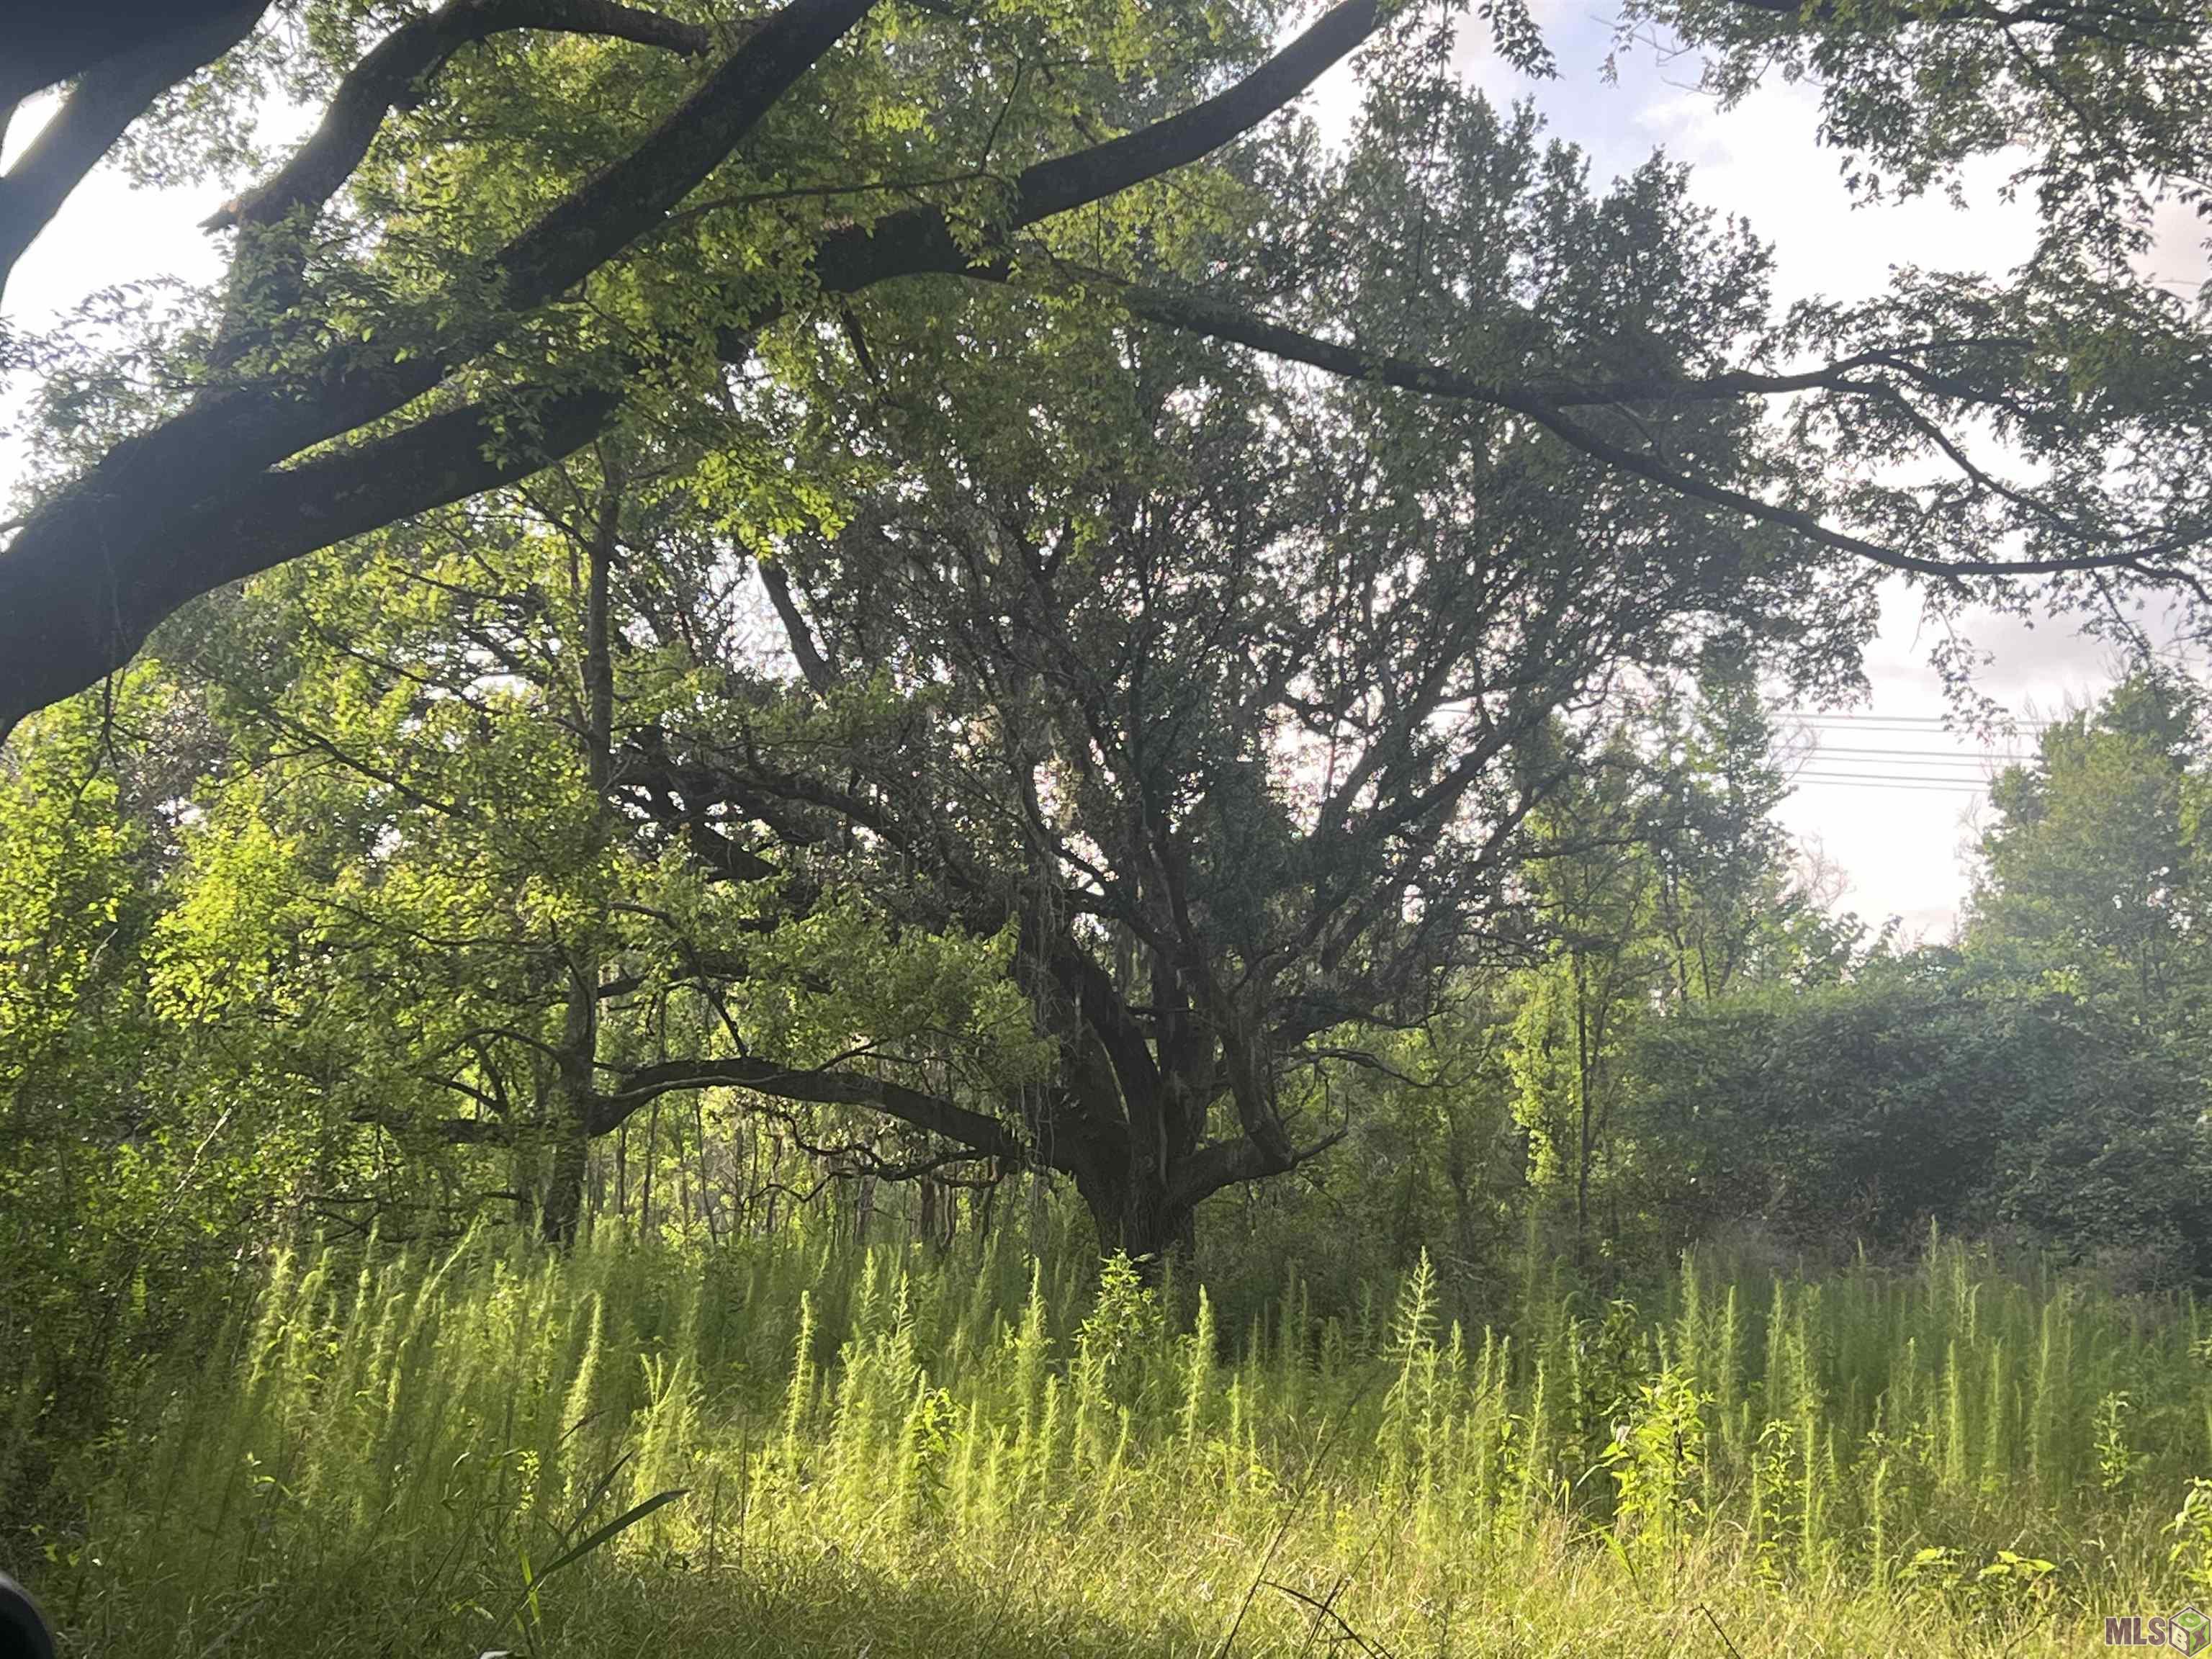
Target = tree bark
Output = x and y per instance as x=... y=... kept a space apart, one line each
x=1138 y=1207
x=1142 y=1220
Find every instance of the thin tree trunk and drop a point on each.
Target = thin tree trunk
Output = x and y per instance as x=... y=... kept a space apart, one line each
x=564 y=1187
x=579 y=1024
x=1582 y=1148
x=706 y=1182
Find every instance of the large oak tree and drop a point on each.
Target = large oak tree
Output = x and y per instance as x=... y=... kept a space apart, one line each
x=1200 y=707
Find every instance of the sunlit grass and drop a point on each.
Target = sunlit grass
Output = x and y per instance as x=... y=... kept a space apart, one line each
x=893 y=1452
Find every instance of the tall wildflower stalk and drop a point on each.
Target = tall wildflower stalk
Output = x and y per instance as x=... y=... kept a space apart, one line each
x=385 y=1435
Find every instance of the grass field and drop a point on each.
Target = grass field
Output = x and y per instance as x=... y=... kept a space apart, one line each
x=894 y=1453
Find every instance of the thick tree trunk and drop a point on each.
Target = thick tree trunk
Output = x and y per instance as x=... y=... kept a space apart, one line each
x=562 y=1211
x=1135 y=1215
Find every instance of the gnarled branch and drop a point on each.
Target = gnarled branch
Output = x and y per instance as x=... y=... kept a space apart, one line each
x=1547 y=407
x=110 y=97
x=396 y=65
x=92 y=570
x=986 y=1136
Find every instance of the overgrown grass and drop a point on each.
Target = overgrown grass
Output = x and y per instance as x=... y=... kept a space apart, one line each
x=891 y=1453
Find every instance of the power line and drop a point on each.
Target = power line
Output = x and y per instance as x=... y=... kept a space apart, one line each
x=1823 y=780
x=1895 y=739
x=1798 y=711
x=1966 y=793
x=1897 y=734
x=1961 y=779
x=1924 y=757
x=1949 y=780
x=1853 y=717
x=1920 y=722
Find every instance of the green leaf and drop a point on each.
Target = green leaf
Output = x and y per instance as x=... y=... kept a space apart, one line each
x=614 y=1528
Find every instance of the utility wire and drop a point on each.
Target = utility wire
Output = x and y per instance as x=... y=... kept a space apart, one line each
x=1918 y=722
x=1899 y=733
x=1958 y=779
x=1924 y=756
x=1883 y=714
x=1843 y=781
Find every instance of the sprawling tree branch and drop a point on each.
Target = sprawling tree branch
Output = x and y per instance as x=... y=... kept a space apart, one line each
x=933 y=1113
x=50 y=43
x=812 y=665
x=921 y=241
x=106 y=101
x=1547 y=403
x=185 y=461
x=88 y=560
x=398 y=64
x=284 y=514
x=95 y=567
x=1222 y=1164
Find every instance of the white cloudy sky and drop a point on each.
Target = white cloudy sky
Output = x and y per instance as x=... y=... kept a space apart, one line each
x=1900 y=848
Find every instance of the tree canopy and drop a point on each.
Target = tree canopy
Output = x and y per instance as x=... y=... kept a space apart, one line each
x=518 y=226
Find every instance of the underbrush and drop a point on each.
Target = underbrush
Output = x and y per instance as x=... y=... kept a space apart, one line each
x=891 y=1452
